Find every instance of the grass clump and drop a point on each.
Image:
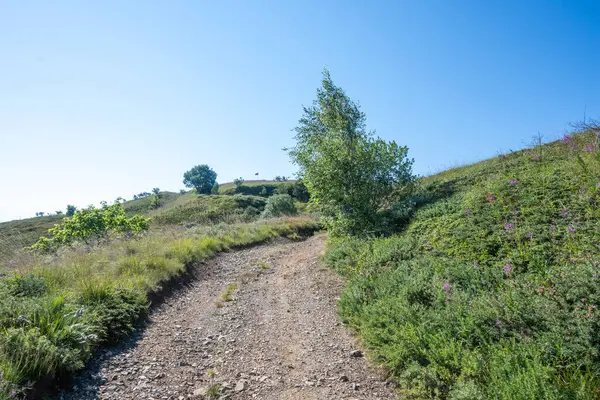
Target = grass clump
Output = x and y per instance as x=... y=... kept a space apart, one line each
x=57 y=308
x=492 y=289
x=227 y=294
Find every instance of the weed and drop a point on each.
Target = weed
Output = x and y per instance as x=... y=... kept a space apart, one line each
x=227 y=294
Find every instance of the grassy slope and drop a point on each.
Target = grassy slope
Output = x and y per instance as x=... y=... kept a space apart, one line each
x=17 y=234
x=492 y=291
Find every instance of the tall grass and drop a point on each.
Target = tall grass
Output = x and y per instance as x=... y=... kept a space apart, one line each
x=56 y=310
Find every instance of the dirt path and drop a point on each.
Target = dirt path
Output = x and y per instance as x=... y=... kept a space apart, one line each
x=278 y=338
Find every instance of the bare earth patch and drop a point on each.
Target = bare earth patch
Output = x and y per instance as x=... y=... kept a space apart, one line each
x=259 y=323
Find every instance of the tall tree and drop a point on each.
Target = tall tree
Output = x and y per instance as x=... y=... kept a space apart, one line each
x=350 y=174
x=201 y=177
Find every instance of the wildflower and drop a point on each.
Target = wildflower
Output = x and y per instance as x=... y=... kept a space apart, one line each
x=468 y=211
x=12 y=263
x=589 y=148
x=565 y=212
x=598 y=185
x=508 y=227
x=491 y=198
x=475 y=265
x=570 y=229
x=507 y=269
x=512 y=182
x=447 y=287
x=529 y=235
x=567 y=139
x=498 y=324
x=13 y=394
x=536 y=157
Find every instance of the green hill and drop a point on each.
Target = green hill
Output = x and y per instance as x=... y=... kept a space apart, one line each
x=491 y=290
x=174 y=208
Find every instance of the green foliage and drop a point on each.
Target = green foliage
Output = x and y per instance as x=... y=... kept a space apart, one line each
x=279 y=205
x=209 y=209
x=350 y=174
x=70 y=210
x=238 y=182
x=215 y=188
x=264 y=192
x=201 y=177
x=492 y=289
x=90 y=224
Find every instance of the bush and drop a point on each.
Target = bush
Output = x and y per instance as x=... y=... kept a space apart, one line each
x=215 y=188
x=91 y=223
x=279 y=205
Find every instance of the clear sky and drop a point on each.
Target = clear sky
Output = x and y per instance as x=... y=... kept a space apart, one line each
x=100 y=99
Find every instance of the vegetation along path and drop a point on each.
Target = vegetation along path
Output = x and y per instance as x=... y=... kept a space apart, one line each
x=257 y=323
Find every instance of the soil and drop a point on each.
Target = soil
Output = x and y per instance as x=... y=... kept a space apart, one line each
x=259 y=323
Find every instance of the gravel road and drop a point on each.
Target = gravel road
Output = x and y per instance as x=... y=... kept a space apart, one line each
x=277 y=336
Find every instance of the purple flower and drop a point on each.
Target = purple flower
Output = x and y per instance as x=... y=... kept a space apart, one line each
x=447 y=287
x=507 y=269
x=570 y=229
x=598 y=185
x=529 y=235
x=508 y=227
x=13 y=394
x=589 y=148
x=491 y=198
x=498 y=324
x=535 y=157
x=512 y=182
x=12 y=263
x=567 y=139
x=565 y=212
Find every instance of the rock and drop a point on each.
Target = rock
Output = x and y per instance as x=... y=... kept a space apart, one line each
x=200 y=392
x=355 y=386
x=356 y=353
x=240 y=385
x=343 y=378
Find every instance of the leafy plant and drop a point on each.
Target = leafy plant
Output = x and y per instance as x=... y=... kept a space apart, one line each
x=201 y=177
x=92 y=223
x=279 y=205
x=215 y=188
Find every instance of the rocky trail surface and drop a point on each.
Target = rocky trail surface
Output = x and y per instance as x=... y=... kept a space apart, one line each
x=258 y=323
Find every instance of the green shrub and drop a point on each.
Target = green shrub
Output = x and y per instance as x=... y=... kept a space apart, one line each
x=92 y=223
x=279 y=205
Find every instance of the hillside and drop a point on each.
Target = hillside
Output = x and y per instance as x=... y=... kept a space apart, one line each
x=491 y=290
x=17 y=234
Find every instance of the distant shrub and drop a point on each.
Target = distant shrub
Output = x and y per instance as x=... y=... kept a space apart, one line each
x=91 y=223
x=182 y=191
x=279 y=205
x=238 y=182
x=264 y=192
x=215 y=188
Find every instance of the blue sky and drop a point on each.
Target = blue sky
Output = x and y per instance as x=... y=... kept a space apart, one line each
x=111 y=98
